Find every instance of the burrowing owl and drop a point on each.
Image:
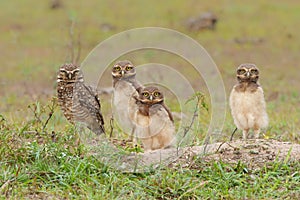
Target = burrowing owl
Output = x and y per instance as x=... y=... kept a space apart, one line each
x=247 y=102
x=125 y=86
x=153 y=120
x=79 y=103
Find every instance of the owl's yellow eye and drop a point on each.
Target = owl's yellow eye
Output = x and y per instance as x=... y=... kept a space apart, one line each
x=145 y=94
x=128 y=68
x=254 y=71
x=117 y=68
x=156 y=94
x=75 y=72
x=241 y=71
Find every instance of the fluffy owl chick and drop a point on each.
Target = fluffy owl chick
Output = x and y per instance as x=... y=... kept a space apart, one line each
x=153 y=120
x=79 y=103
x=125 y=87
x=247 y=102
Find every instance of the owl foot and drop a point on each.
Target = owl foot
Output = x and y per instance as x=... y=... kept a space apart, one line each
x=245 y=134
x=256 y=134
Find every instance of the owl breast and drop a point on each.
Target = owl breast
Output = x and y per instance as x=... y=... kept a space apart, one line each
x=248 y=108
x=124 y=104
x=155 y=130
x=65 y=99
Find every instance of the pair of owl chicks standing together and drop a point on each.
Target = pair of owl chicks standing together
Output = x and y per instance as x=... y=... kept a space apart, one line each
x=140 y=110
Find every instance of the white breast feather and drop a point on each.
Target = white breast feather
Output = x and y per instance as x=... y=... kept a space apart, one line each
x=124 y=104
x=248 y=109
x=156 y=130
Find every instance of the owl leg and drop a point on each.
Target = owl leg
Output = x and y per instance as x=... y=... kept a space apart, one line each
x=147 y=143
x=133 y=136
x=256 y=133
x=245 y=134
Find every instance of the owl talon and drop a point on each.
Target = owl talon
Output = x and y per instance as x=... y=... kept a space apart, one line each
x=256 y=134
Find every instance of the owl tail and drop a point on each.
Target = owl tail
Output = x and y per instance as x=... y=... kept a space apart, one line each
x=97 y=129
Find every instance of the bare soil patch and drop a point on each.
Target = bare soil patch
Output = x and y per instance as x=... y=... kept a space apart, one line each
x=254 y=153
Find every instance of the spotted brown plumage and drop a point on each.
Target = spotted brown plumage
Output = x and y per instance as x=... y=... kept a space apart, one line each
x=79 y=103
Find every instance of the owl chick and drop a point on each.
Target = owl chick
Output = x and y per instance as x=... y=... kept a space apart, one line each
x=79 y=103
x=153 y=120
x=125 y=87
x=247 y=102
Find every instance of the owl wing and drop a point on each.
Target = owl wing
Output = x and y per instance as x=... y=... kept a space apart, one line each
x=124 y=104
x=96 y=104
x=91 y=109
x=161 y=127
x=160 y=118
x=137 y=86
x=232 y=98
x=169 y=112
x=261 y=114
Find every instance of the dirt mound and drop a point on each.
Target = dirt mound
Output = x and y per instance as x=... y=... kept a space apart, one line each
x=255 y=153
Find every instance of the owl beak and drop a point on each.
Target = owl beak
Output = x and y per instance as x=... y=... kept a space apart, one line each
x=248 y=74
x=70 y=76
x=151 y=97
x=122 y=72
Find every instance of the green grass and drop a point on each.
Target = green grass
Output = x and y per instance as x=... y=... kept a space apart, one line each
x=39 y=160
x=55 y=165
x=51 y=162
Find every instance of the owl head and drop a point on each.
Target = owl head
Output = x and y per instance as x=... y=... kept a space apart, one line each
x=150 y=95
x=123 y=69
x=70 y=73
x=247 y=72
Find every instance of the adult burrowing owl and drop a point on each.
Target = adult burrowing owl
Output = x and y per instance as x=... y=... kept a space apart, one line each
x=153 y=120
x=125 y=86
x=79 y=103
x=247 y=102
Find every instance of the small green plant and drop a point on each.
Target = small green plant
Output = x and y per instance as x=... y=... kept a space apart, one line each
x=199 y=103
